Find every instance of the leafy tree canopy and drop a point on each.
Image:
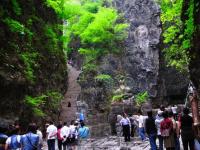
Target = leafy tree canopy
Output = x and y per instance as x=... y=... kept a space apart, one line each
x=94 y=23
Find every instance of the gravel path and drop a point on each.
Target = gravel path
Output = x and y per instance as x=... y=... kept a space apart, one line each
x=111 y=143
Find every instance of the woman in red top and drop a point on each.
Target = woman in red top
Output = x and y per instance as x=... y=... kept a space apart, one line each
x=60 y=139
x=166 y=128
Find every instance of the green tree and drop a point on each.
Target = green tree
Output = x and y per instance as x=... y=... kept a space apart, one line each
x=177 y=33
x=95 y=25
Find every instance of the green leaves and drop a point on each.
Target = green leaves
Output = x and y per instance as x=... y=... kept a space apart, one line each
x=29 y=59
x=177 y=33
x=49 y=99
x=104 y=78
x=141 y=98
x=90 y=27
x=16 y=7
x=51 y=34
x=17 y=27
x=36 y=103
x=100 y=30
x=94 y=24
x=117 y=98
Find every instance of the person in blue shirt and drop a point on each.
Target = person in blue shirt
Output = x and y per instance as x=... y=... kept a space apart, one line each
x=81 y=117
x=83 y=131
x=13 y=142
x=30 y=140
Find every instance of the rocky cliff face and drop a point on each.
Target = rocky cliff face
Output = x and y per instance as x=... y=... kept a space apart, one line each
x=32 y=61
x=140 y=64
x=194 y=51
x=141 y=55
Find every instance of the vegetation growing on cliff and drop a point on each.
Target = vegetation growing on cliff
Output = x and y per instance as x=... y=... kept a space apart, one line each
x=33 y=38
x=141 y=98
x=92 y=27
x=178 y=31
x=32 y=61
x=43 y=104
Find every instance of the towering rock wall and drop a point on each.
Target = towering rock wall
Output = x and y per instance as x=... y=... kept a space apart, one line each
x=140 y=64
x=32 y=61
x=141 y=58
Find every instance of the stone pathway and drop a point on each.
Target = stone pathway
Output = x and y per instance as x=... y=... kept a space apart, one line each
x=70 y=99
x=111 y=143
x=114 y=143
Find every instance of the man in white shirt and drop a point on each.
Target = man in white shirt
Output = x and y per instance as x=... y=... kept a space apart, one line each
x=125 y=123
x=158 y=121
x=174 y=110
x=73 y=130
x=73 y=136
x=51 y=136
x=65 y=131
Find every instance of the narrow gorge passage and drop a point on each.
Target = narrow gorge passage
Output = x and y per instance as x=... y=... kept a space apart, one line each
x=68 y=105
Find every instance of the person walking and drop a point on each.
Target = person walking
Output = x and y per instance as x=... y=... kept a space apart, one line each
x=174 y=109
x=51 y=135
x=187 y=133
x=118 y=125
x=30 y=140
x=175 y=130
x=13 y=142
x=73 y=136
x=81 y=117
x=39 y=133
x=60 y=139
x=125 y=123
x=65 y=131
x=158 y=121
x=166 y=128
x=151 y=130
x=83 y=134
x=83 y=131
x=141 y=126
x=132 y=122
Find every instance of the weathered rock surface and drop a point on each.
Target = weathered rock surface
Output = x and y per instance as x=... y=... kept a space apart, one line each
x=141 y=65
x=141 y=56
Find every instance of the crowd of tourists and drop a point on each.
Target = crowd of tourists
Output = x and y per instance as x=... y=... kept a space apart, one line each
x=168 y=126
x=67 y=136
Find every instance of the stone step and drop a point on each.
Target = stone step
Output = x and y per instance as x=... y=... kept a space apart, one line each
x=71 y=95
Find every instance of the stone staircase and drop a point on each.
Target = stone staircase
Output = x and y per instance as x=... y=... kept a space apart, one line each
x=69 y=105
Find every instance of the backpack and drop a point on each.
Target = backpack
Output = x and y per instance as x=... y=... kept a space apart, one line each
x=84 y=133
x=72 y=137
x=34 y=147
x=14 y=144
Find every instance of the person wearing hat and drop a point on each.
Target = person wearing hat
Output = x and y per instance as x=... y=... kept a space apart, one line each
x=158 y=120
